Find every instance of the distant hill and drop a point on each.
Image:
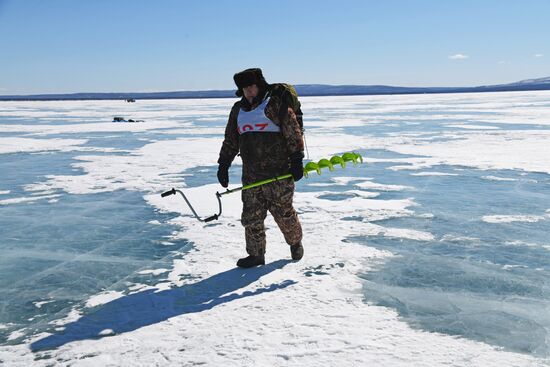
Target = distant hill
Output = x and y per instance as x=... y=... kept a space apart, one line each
x=532 y=81
x=327 y=90
x=302 y=89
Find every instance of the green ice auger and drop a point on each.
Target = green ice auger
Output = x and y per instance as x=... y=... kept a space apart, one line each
x=308 y=168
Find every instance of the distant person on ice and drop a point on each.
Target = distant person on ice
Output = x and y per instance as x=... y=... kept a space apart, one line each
x=264 y=127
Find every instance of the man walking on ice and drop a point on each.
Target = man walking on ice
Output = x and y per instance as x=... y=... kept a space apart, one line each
x=264 y=128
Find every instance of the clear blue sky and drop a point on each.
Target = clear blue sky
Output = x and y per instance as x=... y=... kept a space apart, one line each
x=64 y=46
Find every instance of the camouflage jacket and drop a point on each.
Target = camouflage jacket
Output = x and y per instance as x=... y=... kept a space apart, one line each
x=265 y=154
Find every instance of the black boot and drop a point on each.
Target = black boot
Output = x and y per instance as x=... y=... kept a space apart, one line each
x=250 y=261
x=297 y=251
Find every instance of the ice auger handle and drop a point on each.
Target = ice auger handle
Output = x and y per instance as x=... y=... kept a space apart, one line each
x=168 y=193
x=209 y=219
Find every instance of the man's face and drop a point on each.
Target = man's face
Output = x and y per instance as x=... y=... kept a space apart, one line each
x=250 y=92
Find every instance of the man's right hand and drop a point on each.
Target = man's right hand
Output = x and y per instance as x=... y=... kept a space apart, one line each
x=223 y=175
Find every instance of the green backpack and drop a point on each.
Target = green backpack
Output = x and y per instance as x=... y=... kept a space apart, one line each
x=290 y=99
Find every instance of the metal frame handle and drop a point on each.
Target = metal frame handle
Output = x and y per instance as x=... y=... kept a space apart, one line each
x=205 y=220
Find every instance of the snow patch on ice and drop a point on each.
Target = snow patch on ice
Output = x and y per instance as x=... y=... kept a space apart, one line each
x=426 y=173
x=404 y=233
x=152 y=168
x=26 y=199
x=39 y=304
x=43 y=129
x=495 y=178
x=524 y=150
x=321 y=184
x=343 y=180
x=26 y=145
x=513 y=218
x=103 y=298
x=154 y=271
x=382 y=187
x=16 y=334
x=474 y=127
x=106 y=332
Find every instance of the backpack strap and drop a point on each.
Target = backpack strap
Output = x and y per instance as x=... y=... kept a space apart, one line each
x=289 y=98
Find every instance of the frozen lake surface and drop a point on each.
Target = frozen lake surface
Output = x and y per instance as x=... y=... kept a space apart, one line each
x=434 y=251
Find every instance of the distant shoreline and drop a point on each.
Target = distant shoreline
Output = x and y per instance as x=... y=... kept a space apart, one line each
x=304 y=90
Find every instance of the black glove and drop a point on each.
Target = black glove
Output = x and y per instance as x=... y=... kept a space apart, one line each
x=223 y=174
x=296 y=167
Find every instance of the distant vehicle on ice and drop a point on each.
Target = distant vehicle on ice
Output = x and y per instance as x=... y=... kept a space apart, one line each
x=122 y=119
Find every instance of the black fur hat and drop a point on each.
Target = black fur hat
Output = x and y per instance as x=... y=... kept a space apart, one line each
x=248 y=77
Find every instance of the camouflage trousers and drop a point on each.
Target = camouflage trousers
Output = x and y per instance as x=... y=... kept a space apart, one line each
x=275 y=197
